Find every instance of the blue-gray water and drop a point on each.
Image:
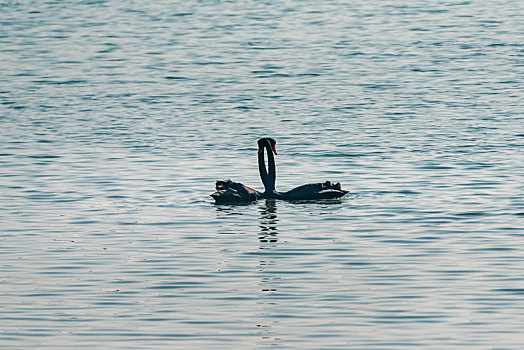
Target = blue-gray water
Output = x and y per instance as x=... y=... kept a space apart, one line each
x=116 y=118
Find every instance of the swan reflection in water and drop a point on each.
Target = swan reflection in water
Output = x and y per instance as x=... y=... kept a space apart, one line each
x=268 y=222
x=262 y=267
x=269 y=273
x=267 y=236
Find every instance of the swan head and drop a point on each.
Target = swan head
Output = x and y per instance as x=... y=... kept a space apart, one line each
x=267 y=142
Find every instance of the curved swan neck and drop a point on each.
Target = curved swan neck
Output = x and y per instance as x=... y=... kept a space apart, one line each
x=262 y=168
x=268 y=176
x=272 y=171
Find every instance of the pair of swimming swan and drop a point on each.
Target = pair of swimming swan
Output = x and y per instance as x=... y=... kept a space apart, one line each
x=228 y=191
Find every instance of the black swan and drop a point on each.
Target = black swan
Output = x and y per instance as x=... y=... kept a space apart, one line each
x=228 y=191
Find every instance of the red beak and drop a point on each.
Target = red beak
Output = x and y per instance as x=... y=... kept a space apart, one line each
x=261 y=149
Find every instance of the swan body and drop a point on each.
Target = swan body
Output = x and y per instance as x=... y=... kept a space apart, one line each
x=228 y=191
x=322 y=190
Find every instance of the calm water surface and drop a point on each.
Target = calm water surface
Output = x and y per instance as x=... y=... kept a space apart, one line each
x=116 y=118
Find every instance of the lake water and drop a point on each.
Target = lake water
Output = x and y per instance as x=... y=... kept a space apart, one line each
x=117 y=117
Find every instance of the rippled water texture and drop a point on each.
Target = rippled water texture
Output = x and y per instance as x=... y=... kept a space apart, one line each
x=117 y=117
